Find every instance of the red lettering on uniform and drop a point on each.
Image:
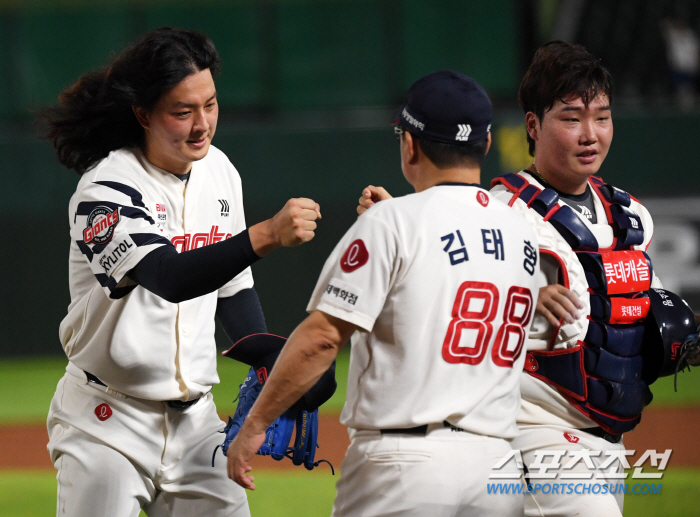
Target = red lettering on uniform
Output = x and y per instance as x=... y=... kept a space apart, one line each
x=354 y=257
x=570 y=437
x=216 y=237
x=628 y=310
x=103 y=412
x=482 y=198
x=626 y=272
x=180 y=242
x=198 y=240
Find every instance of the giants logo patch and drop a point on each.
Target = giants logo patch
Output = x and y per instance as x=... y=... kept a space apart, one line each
x=100 y=225
x=103 y=412
x=355 y=256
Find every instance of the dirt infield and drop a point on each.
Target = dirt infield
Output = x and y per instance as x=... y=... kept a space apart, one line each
x=24 y=447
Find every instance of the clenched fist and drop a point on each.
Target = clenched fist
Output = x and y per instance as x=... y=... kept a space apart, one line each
x=291 y=226
x=370 y=196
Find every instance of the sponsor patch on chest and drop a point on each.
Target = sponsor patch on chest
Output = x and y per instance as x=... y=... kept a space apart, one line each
x=160 y=215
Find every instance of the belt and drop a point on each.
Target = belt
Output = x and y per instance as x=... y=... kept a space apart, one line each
x=93 y=379
x=600 y=433
x=421 y=429
x=173 y=404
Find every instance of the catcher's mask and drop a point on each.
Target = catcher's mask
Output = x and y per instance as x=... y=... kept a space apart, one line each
x=669 y=322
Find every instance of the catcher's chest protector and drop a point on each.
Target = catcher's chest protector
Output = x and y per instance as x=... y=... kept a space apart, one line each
x=596 y=365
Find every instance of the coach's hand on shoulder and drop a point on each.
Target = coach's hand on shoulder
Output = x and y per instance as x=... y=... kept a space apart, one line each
x=291 y=226
x=370 y=196
x=556 y=302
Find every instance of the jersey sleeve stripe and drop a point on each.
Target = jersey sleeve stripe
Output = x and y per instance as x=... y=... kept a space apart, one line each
x=85 y=249
x=135 y=195
x=86 y=207
x=114 y=292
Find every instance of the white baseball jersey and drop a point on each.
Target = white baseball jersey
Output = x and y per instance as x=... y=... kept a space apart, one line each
x=543 y=404
x=443 y=285
x=134 y=341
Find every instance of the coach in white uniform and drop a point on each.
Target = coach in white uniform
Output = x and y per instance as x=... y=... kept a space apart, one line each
x=437 y=289
x=158 y=246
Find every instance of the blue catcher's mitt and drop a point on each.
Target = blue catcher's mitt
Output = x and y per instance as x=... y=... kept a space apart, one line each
x=279 y=433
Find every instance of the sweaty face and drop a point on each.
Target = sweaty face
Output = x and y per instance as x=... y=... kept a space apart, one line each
x=181 y=125
x=572 y=141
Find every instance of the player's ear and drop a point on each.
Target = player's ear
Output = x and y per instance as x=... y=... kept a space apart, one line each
x=531 y=123
x=488 y=143
x=412 y=148
x=141 y=116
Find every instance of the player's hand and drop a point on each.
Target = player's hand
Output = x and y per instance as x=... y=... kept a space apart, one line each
x=370 y=196
x=556 y=302
x=240 y=452
x=291 y=226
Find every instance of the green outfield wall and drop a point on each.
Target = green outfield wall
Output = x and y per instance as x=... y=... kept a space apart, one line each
x=306 y=92
x=651 y=157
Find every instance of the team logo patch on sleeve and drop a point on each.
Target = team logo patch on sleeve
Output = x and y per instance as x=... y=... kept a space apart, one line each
x=354 y=257
x=100 y=225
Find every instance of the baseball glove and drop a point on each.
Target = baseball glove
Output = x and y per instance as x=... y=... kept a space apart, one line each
x=261 y=350
x=279 y=433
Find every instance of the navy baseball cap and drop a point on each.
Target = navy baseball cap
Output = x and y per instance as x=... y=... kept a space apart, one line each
x=448 y=107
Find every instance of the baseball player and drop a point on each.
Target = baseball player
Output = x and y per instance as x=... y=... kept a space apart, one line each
x=585 y=381
x=159 y=245
x=436 y=289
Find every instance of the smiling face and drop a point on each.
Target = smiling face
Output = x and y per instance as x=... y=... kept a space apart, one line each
x=571 y=141
x=179 y=128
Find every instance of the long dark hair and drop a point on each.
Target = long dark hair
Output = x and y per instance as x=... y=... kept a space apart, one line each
x=95 y=116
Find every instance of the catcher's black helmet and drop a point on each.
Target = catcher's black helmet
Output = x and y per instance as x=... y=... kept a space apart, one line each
x=667 y=326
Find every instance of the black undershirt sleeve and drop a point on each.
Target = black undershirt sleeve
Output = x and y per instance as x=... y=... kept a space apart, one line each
x=241 y=315
x=177 y=277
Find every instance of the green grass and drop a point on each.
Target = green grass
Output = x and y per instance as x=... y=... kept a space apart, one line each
x=32 y=383
x=283 y=494
x=33 y=493
x=688 y=390
x=38 y=377
x=677 y=497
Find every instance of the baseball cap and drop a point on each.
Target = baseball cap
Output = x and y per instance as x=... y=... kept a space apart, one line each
x=446 y=106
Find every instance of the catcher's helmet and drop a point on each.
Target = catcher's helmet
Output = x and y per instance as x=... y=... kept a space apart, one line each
x=667 y=326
